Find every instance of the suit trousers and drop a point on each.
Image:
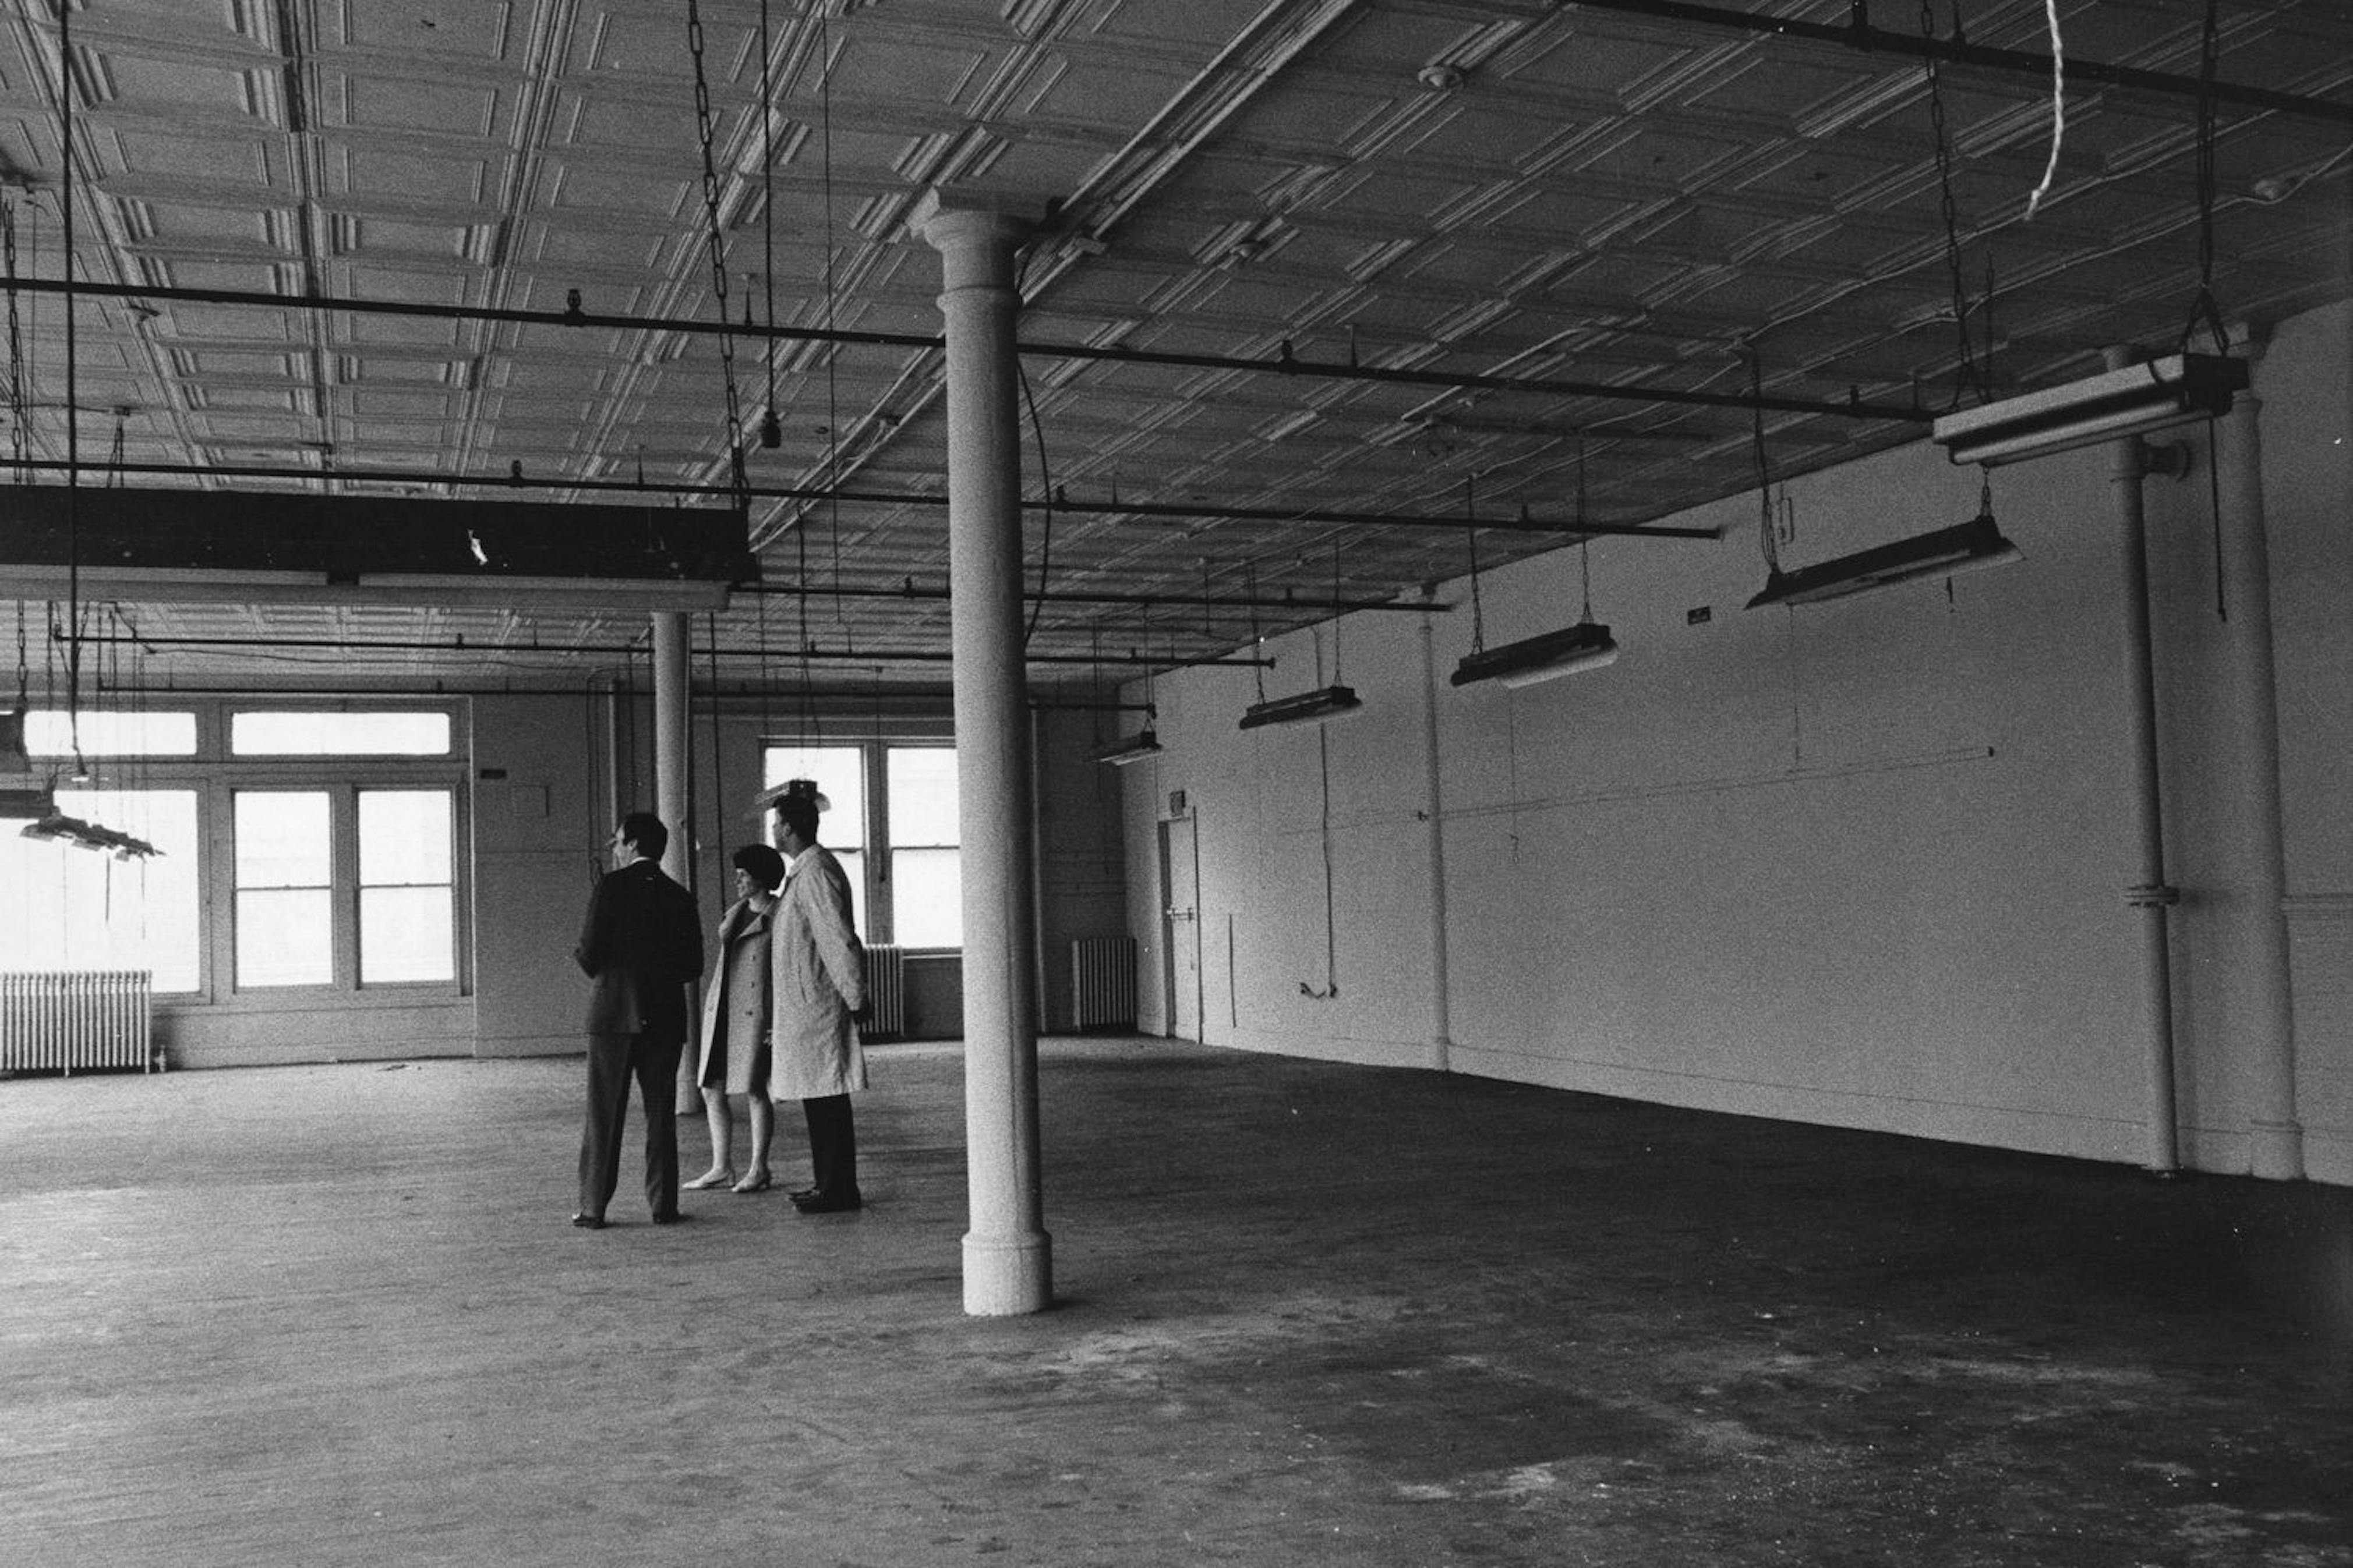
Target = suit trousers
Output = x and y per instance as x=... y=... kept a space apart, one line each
x=613 y=1061
x=833 y=1147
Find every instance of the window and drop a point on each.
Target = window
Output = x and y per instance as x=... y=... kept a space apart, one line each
x=840 y=772
x=898 y=844
x=52 y=732
x=926 y=867
x=66 y=908
x=308 y=853
x=285 y=883
x=380 y=733
x=408 y=896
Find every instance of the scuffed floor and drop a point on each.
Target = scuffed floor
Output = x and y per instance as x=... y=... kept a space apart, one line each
x=1308 y=1314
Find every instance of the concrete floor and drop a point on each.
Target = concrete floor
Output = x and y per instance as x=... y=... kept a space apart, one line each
x=1308 y=1314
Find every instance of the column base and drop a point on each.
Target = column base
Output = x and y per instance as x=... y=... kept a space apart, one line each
x=2275 y=1150
x=1005 y=1277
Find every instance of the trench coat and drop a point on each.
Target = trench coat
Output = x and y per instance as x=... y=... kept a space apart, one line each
x=817 y=980
x=735 y=1000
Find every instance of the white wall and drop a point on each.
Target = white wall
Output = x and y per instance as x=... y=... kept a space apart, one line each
x=1858 y=864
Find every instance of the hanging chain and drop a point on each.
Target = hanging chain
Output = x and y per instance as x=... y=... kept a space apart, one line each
x=1471 y=532
x=705 y=134
x=2203 y=307
x=1972 y=379
x=1764 y=470
x=17 y=397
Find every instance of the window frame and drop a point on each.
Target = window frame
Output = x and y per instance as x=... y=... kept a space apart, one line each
x=877 y=891
x=217 y=777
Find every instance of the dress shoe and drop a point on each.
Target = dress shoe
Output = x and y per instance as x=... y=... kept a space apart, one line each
x=717 y=1176
x=672 y=1217
x=819 y=1204
x=758 y=1182
x=804 y=1195
x=589 y=1221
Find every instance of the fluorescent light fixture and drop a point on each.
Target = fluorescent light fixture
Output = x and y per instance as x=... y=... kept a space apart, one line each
x=1585 y=646
x=1965 y=547
x=1321 y=703
x=1134 y=749
x=2174 y=390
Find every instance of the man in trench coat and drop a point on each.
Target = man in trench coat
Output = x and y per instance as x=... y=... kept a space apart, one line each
x=817 y=994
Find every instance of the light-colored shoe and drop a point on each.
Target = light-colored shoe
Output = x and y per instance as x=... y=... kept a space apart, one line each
x=721 y=1176
x=758 y=1182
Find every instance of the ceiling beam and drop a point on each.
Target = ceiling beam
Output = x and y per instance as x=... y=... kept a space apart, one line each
x=1284 y=362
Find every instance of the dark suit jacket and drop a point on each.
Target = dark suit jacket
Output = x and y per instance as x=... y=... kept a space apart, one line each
x=642 y=944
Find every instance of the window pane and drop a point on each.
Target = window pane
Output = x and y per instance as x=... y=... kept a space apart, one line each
x=282 y=938
x=927 y=896
x=404 y=838
x=922 y=795
x=841 y=775
x=403 y=734
x=405 y=934
x=47 y=733
x=65 y=908
x=853 y=865
x=282 y=839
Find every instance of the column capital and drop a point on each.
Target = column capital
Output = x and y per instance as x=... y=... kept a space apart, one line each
x=956 y=219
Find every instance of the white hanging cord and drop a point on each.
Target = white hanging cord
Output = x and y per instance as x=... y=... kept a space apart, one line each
x=2058 y=108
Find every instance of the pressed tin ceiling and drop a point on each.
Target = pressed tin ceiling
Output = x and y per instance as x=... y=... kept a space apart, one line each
x=1585 y=229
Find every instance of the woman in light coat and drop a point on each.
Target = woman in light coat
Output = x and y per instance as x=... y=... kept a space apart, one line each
x=816 y=988
x=736 y=1013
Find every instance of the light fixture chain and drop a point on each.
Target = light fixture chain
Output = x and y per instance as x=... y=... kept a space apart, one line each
x=717 y=244
x=1972 y=378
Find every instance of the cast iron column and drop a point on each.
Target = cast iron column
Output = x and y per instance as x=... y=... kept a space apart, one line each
x=1007 y=1262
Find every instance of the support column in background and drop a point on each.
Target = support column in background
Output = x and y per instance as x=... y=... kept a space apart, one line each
x=2254 y=925
x=669 y=784
x=1006 y=1253
x=2149 y=893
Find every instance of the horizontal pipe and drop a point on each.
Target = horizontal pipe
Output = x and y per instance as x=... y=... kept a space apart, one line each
x=1558 y=528
x=1863 y=37
x=702 y=688
x=151 y=643
x=1282 y=364
x=1058 y=596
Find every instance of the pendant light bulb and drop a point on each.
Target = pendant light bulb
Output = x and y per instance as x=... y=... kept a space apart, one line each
x=772 y=430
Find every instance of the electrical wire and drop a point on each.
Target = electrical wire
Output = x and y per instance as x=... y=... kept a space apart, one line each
x=2058 y=108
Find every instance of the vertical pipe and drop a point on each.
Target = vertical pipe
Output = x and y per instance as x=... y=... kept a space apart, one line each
x=2149 y=893
x=670 y=784
x=1441 y=1020
x=1006 y=1253
x=2254 y=927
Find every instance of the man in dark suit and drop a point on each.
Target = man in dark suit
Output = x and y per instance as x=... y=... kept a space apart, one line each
x=642 y=945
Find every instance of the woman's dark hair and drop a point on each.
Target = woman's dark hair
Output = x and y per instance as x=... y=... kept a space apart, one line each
x=762 y=864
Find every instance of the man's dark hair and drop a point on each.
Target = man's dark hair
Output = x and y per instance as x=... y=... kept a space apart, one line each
x=762 y=864
x=799 y=813
x=645 y=830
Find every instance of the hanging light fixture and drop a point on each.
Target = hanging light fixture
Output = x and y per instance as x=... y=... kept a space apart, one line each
x=1548 y=655
x=1133 y=749
x=2174 y=390
x=1143 y=742
x=1306 y=706
x=1946 y=552
x=1323 y=703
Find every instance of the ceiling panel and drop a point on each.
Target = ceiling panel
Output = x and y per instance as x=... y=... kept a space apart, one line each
x=1526 y=191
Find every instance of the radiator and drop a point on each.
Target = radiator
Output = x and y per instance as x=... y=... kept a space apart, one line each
x=1102 y=983
x=886 y=992
x=75 y=1019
